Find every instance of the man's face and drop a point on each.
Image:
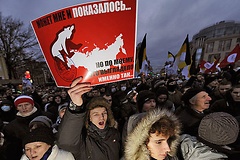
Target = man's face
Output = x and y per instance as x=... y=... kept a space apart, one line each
x=202 y=101
x=162 y=98
x=213 y=83
x=236 y=94
x=150 y=104
x=158 y=146
x=108 y=98
x=224 y=88
x=98 y=116
x=24 y=108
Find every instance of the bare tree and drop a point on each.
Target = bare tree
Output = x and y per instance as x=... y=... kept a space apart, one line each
x=17 y=44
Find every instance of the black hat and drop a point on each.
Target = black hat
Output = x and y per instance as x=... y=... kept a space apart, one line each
x=190 y=93
x=210 y=79
x=161 y=90
x=144 y=96
x=40 y=134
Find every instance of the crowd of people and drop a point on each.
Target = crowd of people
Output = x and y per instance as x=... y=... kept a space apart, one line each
x=145 y=118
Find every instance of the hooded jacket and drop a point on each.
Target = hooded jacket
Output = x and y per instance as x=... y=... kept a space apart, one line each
x=136 y=148
x=77 y=135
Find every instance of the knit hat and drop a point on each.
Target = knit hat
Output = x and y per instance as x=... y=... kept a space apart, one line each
x=219 y=128
x=40 y=134
x=144 y=96
x=190 y=93
x=22 y=99
x=44 y=119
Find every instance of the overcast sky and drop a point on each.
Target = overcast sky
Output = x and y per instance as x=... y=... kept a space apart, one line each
x=166 y=22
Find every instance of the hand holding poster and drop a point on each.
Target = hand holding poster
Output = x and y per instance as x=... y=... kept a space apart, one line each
x=95 y=40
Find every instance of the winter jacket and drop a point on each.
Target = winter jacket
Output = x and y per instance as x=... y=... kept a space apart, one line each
x=56 y=154
x=192 y=149
x=85 y=143
x=136 y=149
x=15 y=131
x=190 y=119
x=227 y=105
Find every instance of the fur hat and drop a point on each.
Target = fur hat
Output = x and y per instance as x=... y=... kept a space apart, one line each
x=22 y=99
x=219 y=128
x=40 y=134
x=43 y=119
x=144 y=96
x=99 y=102
x=190 y=93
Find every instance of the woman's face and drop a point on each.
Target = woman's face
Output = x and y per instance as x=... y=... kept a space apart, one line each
x=158 y=146
x=25 y=108
x=36 y=150
x=98 y=116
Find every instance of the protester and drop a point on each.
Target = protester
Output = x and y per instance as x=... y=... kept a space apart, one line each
x=7 y=111
x=87 y=131
x=174 y=94
x=15 y=131
x=217 y=134
x=230 y=104
x=146 y=101
x=220 y=91
x=162 y=99
x=155 y=137
x=39 y=144
x=211 y=83
x=61 y=111
x=196 y=101
x=53 y=106
x=40 y=121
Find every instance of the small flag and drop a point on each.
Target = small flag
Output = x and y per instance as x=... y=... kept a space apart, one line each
x=141 y=56
x=231 y=58
x=183 y=57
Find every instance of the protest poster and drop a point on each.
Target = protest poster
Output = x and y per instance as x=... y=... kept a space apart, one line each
x=95 y=40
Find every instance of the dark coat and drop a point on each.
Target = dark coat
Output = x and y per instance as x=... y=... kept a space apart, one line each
x=85 y=144
x=14 y=133
x=227 y=105
x=190 y=120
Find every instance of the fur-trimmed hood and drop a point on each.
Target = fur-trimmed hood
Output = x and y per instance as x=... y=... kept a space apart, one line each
x=135 y=148
x=102 y=102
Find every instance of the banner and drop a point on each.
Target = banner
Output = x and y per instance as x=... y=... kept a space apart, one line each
x=94 y=40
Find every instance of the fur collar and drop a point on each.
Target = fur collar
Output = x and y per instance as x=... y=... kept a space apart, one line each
x=135 y=148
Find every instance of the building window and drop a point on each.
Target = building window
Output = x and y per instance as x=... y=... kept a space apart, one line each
x=213 y=57
x=238 y=40
x=228 y=44
x=224 y=45
x=221 y=46
x=210 y=47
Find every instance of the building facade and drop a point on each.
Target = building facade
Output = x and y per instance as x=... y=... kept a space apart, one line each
x=216 y=41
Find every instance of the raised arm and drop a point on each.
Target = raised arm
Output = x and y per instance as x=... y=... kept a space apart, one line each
x=69 y=135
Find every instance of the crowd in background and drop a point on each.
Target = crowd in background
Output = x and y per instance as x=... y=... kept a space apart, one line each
x=206 y=105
